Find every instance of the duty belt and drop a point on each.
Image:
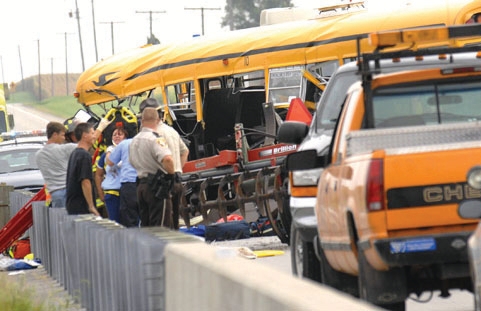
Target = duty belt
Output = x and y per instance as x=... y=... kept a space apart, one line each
x=112 y=192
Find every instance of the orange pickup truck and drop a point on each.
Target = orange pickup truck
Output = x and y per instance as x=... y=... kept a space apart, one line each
x=387 y=198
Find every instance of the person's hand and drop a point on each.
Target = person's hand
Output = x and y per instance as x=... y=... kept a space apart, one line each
x=93 y=210
x=103 y=124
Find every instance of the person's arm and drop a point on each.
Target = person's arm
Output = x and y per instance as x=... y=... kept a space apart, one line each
x=99 y=177
x=101 y=127
x=168 y=164
x=184 y=152
x=183 y=157
x=87 y=192
x=114 y=157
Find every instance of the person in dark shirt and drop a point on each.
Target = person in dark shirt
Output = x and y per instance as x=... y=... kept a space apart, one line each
x=80 y=190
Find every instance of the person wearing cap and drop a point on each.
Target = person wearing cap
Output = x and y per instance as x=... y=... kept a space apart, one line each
x=152 y=159
x=70 y=125
x=180 y=154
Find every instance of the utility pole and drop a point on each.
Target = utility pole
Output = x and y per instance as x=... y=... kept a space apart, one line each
x=202 y=14
x=39 y=75
x=79 y=33
x=150 y=17
x=21 y=68
x=66 y=66
x=51 y=76
x=111 y=32
x=66 y=60
x=95 y=33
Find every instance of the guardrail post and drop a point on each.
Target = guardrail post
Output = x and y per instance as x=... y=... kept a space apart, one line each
x=4 y=204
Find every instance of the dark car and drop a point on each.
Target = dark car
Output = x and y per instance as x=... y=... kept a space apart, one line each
x=18 y=167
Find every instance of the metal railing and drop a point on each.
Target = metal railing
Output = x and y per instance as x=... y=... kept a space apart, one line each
x=103 y=265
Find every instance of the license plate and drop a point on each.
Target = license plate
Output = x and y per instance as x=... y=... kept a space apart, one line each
x=413 y=245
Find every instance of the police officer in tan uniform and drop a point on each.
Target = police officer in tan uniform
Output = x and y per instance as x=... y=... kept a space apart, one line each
x=148 y=153
x=180 y=154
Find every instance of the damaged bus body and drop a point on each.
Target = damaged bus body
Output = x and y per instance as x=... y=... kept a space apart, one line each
x=226 y=95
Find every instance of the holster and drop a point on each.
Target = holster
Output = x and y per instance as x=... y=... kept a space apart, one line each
x=160 y=184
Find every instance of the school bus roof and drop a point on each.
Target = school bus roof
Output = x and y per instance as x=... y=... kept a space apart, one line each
x=247 y=50
x=107 y=74
x=142 y=69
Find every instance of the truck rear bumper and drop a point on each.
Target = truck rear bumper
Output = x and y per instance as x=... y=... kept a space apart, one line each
x=424 y=250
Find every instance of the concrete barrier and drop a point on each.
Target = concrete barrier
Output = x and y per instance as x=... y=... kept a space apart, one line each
x=105 y=266
x=204 y=277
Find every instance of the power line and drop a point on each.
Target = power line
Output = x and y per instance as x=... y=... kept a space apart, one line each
x=39 y=75
x=150 y=17
x=95 y=33
x=112 y=32
x=21 y=67
x=79 y=33
x=66 y=61
x=202 y=14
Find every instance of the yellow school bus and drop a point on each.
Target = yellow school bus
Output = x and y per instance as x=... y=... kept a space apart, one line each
x=226 y=94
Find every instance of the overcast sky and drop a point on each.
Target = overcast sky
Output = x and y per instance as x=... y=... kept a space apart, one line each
x=30 y=26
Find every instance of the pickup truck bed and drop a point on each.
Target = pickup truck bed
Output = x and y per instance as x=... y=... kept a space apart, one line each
x=415 y=139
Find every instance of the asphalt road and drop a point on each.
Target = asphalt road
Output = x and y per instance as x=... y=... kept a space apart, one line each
x=458 y=301
x=28 y=119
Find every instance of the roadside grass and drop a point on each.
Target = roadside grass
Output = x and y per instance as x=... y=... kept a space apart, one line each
x=21 y=97
x=20 y=296
x=60 y=106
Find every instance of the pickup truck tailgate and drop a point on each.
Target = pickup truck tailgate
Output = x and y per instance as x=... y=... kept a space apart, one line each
x=438 y=157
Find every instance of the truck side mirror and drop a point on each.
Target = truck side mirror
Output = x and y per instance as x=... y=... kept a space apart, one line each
x=292 y=132
x=305 y=160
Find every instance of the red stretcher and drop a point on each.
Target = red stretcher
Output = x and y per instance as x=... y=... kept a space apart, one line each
x=20 y=223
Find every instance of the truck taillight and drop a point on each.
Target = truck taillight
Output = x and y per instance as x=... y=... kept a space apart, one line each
x=375 y=186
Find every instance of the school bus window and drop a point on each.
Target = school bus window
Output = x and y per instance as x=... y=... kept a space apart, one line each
x=284 y=84
x=322 y=72
x=250 y=79
x=185 y=92
x=136 y=99
x=181 y=96
x=349 y=60
x=157 y=94
x=171 y=94
x=312 y=95
x=254 y=79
